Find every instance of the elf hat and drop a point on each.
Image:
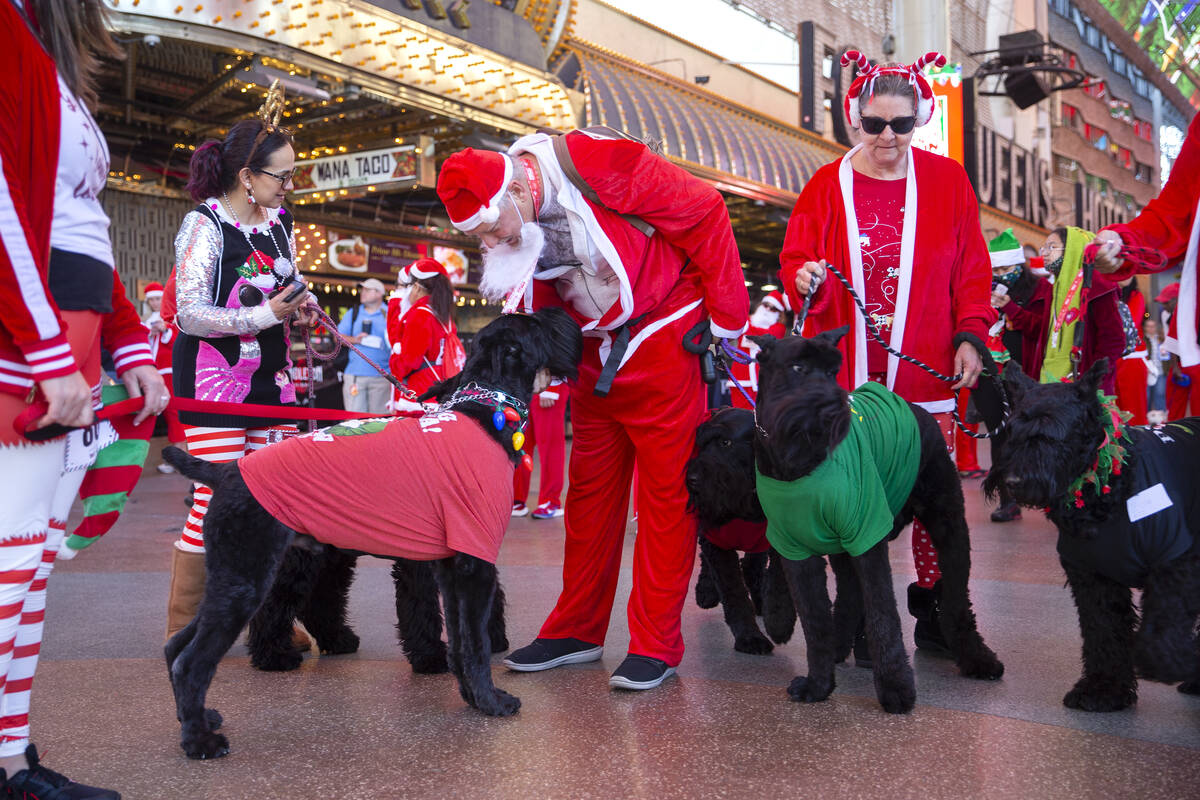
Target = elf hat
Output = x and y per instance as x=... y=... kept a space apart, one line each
x=471 y=185
x=1005 y=250
x=773 y=300
x=425 y=268
x=922 y=92
x=153 y=290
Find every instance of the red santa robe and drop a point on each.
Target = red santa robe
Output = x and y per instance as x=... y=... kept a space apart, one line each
x=1131 y=373
x=945 y=273
x=687 y=270
x=417 y=357
x=1171 y=223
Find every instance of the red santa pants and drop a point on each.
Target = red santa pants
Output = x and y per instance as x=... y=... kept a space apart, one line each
x=1131 y=388
x=1178 y=396
x=649 y=419
x=925 y=557
x=546 y=433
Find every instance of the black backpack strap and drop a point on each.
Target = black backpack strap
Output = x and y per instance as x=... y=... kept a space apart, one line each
x=567 y=164
x=611 y=364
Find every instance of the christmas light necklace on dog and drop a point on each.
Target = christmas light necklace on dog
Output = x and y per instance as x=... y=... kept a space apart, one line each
x=1110 y=456
x=509 y=411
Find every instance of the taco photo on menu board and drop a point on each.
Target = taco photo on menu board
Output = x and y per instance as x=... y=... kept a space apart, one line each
x=455 y=262
x=349 y=255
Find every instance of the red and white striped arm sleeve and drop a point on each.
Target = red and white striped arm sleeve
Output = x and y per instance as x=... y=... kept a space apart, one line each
x=123 y=333
x=30 y=315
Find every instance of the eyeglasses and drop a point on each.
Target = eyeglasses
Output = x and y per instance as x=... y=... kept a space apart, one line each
x=899 y=125
x=282 y=177
x=1048 y=249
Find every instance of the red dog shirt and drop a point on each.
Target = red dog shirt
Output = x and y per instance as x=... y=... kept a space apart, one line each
x=422 y=488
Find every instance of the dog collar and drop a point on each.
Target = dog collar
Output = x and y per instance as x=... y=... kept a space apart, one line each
x=1110 y=456
x=508 y=412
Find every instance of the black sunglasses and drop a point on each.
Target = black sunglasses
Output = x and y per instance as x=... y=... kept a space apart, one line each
x=899 y=125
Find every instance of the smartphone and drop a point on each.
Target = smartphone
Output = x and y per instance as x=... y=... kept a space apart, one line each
x=367 y=326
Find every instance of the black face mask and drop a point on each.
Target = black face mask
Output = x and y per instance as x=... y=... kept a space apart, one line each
x=1055 y=266
x=1008 y=279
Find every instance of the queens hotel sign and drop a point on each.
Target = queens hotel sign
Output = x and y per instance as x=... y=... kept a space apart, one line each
x=383 y=170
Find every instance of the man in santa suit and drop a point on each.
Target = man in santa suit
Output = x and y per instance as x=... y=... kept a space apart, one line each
x=642 y=258
x=162 y=343
x=767 y=320
x=1169 y=223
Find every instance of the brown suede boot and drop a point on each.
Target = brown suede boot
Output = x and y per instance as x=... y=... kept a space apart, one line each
x=300 y=639
x=187 y=587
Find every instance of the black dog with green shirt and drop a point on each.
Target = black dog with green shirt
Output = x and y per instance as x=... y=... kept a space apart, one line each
x=840 y=475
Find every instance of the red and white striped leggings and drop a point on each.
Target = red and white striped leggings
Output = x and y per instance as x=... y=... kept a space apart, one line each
x=220 y=445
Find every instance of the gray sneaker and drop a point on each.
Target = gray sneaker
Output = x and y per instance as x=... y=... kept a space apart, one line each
x=639 y=673
x=550 y=653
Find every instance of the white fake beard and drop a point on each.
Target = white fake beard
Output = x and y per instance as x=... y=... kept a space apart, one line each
x=505 y=266
x=764 y=317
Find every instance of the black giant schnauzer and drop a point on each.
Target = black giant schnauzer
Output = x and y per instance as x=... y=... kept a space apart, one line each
x=1141 y=530
x=514 y=354
x=720 y=484
x=803 y=416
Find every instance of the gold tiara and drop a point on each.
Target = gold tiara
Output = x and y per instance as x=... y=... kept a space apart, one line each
x=272 y=108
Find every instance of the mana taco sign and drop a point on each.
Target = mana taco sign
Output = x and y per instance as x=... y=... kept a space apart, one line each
x=390 y=168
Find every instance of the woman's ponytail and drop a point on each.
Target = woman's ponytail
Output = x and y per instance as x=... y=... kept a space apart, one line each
x=204 y=171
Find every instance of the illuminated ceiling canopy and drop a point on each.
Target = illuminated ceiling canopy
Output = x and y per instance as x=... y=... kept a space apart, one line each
x=1170 y=35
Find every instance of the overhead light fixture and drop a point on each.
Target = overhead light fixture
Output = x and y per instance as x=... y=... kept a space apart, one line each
x=1024 y=70
x=260 y=74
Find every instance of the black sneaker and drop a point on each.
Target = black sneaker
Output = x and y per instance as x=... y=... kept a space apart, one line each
x=640 y=672
x=46 y=784
x=550 y=653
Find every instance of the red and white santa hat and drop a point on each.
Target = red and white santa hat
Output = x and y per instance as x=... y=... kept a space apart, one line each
x=471 y=185
x=864 y=84
x=425 y=268
x=774 y=300
x=154 y=289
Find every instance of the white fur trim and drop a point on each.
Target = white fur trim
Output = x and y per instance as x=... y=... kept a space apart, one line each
x=727 y=333
x=491 y=212
x=423 y=276
x=1186 y=346
x=1007 y=258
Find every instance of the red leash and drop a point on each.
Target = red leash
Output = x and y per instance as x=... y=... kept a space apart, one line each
x=134 y=404
x=1144 y=259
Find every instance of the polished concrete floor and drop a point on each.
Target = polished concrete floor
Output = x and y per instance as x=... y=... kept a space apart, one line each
x=363 y=726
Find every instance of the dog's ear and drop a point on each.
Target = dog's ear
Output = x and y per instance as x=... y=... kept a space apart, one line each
x=766 y=346
x=1090 y=381
x=1016 y=381
x=834 y=336
x=562 y=339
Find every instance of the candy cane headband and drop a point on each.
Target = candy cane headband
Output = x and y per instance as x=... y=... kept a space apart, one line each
x=922 y=92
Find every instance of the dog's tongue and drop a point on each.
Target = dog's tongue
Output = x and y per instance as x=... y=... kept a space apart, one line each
x=513 y=301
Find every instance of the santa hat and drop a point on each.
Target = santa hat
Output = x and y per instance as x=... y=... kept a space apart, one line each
x=471 y=185
x=773 y=300
x=425 y=268
x=1005 y=250
x=922 y=92
x=1170 y=292
x=153 y=290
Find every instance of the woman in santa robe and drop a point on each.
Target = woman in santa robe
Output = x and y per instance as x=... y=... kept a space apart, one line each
x=1169 y=223
x=902 y=225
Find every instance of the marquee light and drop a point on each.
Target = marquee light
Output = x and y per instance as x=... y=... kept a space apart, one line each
x=392 y=41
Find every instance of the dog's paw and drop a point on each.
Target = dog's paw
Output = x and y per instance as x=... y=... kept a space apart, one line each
x=753 y=643
x=497 y=703
x=1190 y=687
x=983 y=666
x=897 y=698
x=213 y=719
x=804 y=690
x=283 y=661
x=1098 y=695
x=429 y=663
x=344 y=642
x=205 y=745
x=707 y=595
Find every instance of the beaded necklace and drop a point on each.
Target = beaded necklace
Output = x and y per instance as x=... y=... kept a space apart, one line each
x=279 y=274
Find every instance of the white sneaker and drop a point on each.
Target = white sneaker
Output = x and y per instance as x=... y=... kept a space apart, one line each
x=165 y=468
x=520 y=510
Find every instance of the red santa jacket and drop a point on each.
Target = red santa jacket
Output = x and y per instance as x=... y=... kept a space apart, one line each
x=691 y=260
x=417 y=357
x=1169 y=223
x=33 y=342
x=948 y=290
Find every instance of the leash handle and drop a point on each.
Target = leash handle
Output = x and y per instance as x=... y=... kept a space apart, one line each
x=802 y=314
x=1144 y=259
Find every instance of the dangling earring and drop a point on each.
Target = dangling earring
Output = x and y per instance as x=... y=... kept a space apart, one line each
x=249 y=196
